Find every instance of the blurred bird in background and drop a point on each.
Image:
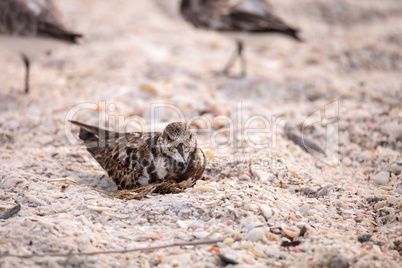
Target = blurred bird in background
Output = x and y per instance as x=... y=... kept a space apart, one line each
x=31 y=27
x=244 y=20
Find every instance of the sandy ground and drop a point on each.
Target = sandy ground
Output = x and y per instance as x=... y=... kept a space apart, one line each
x=348 y=72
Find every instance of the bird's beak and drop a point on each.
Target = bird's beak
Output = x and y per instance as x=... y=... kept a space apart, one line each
x=180 y=148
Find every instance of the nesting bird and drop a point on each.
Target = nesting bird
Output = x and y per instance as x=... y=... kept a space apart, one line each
x=30 y=27
x=141 y=158
x=241 y=19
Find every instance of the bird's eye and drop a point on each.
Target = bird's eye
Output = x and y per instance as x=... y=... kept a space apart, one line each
x=168 y=138
x=191 y=136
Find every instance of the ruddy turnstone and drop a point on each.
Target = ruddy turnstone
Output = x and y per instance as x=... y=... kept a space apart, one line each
x=243 y=20
x=30 y=27
x=141 y=158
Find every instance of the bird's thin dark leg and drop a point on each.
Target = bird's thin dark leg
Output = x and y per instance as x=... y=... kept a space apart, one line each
x=27 y=65
x=237 y=55
x=240 y=48
x=232 y=61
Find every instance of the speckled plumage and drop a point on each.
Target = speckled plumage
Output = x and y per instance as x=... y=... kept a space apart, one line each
x=141 y=158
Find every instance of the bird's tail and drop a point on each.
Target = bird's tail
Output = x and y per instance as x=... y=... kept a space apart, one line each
x=88 y=132
x=55 y=31
x=294 y=33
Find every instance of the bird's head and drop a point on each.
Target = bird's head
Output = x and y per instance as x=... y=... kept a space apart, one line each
x=178 y=142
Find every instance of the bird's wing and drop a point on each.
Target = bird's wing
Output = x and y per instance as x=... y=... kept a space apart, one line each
x=261 y=7
x=197 y=12
x=121 y=158
x=256 y=16
x=108 y=159
x=121 y=147
x=122 y=155
x=33 y=17
x=16 y=18
x=129 y=149
x=235 y=15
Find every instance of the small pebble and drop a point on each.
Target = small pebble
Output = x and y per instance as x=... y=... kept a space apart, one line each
x=392 y=200
x=226 y=171
x=246 y=244
x=338 y=262
x=244 y=177
x=308 y=192
x=13 y=125
x=324 y=191
x=201 y=235
x=251 y=207
x=374 y=199
x=255 y=234
x=228 y=242
x=364 y=238
x=304 y=208
x=264 y=176
x=266 y=211
x=149 y=88
x=282 y=206
x=380 y=204
x=347 y=161
x=200 y=183
x=291 y=232
x=381 y=178
x=176 y=260
x=45 y=140
x=395 y=168
x=312 y=211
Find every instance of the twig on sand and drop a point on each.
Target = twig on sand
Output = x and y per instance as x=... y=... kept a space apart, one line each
x=194 y=243
x=138 y=193
x=167 y=187
x=294 y=135
x=8 y=213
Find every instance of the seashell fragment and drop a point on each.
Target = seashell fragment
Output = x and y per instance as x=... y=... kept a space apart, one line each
x=266 y=211
x=255 y=234
x=381 y=178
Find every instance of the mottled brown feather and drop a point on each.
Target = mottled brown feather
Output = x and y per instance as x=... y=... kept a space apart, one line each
x=125 y=156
